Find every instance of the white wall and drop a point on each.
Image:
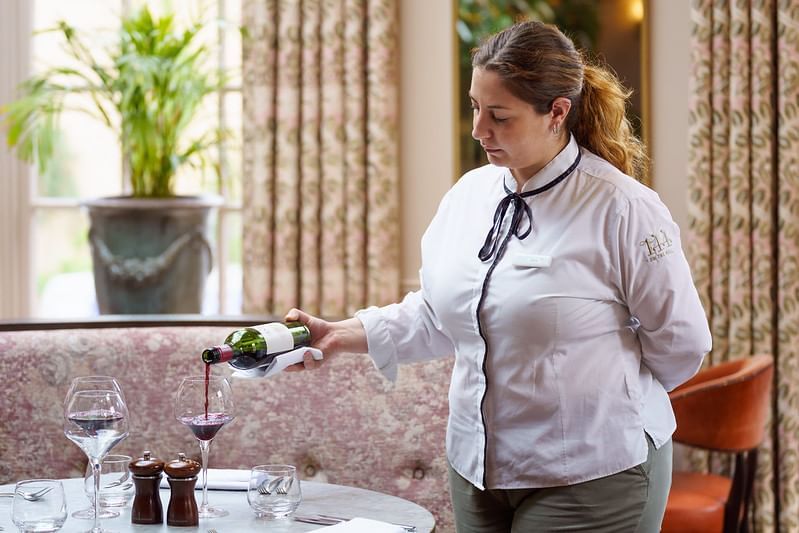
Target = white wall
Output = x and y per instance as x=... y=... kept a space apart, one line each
x=670 y=36
x=427 y=119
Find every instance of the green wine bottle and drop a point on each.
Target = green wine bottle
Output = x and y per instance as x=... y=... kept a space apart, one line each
x=256 y=346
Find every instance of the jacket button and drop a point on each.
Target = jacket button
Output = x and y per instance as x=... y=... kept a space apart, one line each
x=310 y=471
x=418 y=473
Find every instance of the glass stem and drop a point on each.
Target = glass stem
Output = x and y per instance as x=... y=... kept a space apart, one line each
x=204 y=446
x=96 y=500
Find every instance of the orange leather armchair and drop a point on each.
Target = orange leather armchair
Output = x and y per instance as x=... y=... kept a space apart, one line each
x=723 y=408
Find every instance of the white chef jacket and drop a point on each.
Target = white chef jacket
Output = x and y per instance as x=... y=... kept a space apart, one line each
x=564 y=353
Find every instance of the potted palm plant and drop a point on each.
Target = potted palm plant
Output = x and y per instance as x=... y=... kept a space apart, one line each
x=150 y=249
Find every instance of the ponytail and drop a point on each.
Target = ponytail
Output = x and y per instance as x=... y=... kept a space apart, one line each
x=601 y=124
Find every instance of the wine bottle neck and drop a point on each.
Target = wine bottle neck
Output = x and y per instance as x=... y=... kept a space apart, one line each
x=218 y=354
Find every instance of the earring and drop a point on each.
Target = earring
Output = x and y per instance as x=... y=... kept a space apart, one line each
x=556 y=129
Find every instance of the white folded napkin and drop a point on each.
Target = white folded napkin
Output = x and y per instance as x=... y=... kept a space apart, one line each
x=278 y=363
x=220 y=479
x=362 y=525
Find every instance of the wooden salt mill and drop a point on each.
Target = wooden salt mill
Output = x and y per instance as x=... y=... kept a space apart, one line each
x=182 y=476
x=147 y=507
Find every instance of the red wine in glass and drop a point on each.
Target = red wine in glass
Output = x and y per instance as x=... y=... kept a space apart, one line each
x=93 y=421
x=96 y=419
x=205 y=427
x=205 y=404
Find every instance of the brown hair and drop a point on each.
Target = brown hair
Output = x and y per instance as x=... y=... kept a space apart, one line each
x=538 y=64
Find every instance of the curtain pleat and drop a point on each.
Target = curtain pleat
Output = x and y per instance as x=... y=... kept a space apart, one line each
x=788 y=254
x=763 y=236
x=384 y=151
x=763 y=172
x=739 y=194
x=355 y=60
x=333 y=227
x=744 y=141
x=320 y=158
x=259 y=59
x=310 y=182
x=719 y=183
x=285 y=223
x=699 y=152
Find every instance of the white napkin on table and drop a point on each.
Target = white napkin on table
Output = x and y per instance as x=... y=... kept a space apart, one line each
x=362 y=525
x=220 y=479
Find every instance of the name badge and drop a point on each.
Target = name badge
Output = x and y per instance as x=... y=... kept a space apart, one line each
x=532 y=260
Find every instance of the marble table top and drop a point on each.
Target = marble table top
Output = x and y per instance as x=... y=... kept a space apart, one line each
x=324 y=498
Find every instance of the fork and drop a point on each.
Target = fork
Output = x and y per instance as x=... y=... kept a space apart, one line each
x=30 y=496
x=268 y=486
x=118 y=482
x=280 y=484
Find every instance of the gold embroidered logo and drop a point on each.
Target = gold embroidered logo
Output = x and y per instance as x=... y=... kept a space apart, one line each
x=658 y=245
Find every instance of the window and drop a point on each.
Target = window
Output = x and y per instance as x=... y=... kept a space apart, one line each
x=89 y=162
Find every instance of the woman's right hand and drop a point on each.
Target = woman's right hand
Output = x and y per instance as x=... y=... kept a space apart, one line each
x=332 y=338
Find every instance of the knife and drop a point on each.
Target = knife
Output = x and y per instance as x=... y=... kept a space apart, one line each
x=327 y=520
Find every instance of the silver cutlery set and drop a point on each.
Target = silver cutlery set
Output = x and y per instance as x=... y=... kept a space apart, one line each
x=278 y=485
x=327 y=520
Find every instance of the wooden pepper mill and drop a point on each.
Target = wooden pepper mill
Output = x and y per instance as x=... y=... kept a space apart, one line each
x=147 y=507
x=182 y=476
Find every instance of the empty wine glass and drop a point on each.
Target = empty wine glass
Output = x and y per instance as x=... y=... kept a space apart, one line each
x=96 y=419
x=204 y=404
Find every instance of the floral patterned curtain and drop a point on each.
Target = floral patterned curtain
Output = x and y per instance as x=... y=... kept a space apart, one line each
x=321 y=180
x=744 y=201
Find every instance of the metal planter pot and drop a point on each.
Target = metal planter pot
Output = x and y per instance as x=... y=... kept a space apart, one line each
x=150 y=256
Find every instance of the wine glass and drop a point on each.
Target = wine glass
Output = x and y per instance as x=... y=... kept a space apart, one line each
x=96 y=419
x=205 y=404
x=93 y=383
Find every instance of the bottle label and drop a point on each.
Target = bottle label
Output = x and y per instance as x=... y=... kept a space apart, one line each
x=278 y=337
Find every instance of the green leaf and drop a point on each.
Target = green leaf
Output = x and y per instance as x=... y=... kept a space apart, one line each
x=150 y=86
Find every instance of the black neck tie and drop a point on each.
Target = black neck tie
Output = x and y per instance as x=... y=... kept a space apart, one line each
x=520 y=211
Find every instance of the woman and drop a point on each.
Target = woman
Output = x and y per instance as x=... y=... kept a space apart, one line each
x=559 y=283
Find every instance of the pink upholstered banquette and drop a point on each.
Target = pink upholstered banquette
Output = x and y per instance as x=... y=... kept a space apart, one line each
x=343 y=423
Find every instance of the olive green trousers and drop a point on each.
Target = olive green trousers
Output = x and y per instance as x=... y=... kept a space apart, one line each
x=631 y=501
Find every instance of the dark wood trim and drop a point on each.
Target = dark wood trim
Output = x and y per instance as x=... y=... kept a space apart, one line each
x=136 y=321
